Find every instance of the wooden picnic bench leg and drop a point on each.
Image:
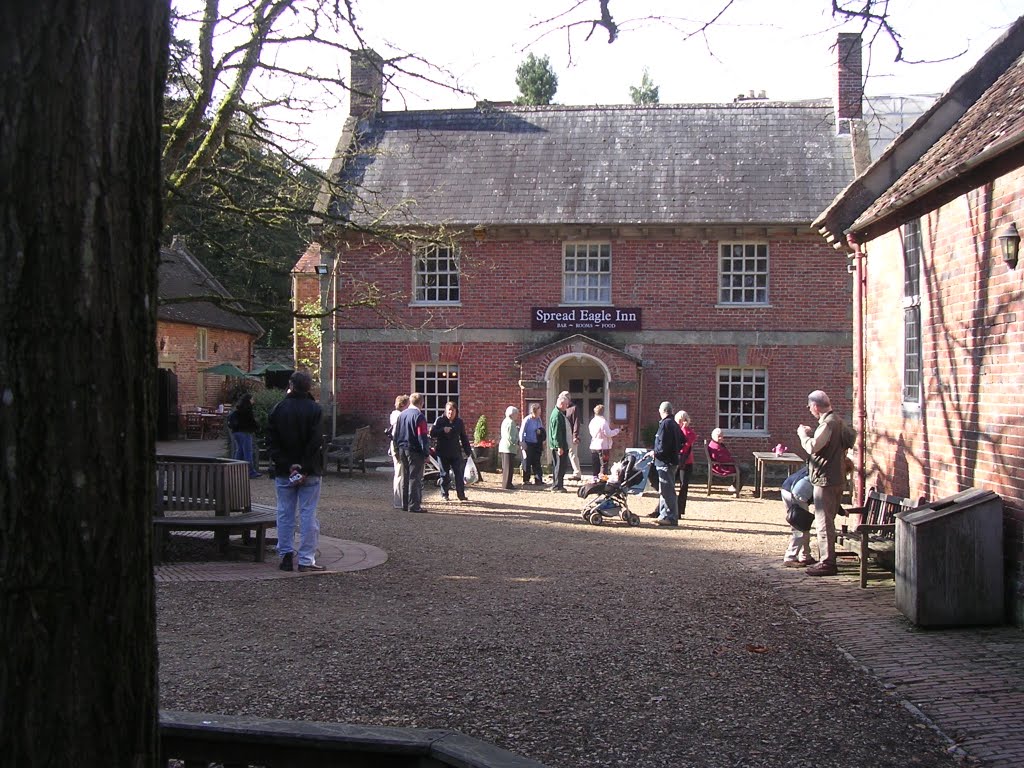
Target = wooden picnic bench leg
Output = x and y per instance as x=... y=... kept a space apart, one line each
x=864 y=561
x=261 y=541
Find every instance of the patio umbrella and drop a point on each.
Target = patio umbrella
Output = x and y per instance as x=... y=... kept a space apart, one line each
x=226 y=369
x=270 y=368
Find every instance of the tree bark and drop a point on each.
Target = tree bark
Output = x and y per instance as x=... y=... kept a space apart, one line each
x=80 y=92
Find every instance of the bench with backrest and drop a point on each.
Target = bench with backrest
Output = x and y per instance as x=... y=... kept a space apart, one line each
x=204 y=494
x=871 y=529
x=349 y=450
x=700 y=457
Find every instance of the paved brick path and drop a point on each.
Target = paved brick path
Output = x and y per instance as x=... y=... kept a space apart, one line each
x=967 y=682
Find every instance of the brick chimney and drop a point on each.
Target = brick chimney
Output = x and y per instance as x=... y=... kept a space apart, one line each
x=366 y=84
x=849 y=80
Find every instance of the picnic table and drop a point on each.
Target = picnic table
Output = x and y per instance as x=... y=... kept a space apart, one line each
x=765 y=459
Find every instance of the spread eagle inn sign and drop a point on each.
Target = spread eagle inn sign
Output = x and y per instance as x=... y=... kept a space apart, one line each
x=585 y=319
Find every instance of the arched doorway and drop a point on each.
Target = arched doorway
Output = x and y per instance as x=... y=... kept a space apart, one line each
x=585 y=378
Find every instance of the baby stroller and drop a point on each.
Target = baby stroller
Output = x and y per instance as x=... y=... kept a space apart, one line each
x=628 y=478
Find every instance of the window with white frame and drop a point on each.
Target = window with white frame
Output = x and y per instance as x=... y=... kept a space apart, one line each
x=743 y=273
x=439 y=384
x=587 y=273
x=742 y=399
x=912 y=251
x=201 y=343
x=436 y=275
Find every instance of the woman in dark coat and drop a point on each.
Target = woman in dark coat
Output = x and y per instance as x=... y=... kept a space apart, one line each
x=243 y=426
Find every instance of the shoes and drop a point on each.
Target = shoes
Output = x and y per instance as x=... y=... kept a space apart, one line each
x=822 y=569
x=558 y=489
x=312 y=567
x=463 y=498
x=572 y=477
x=653 y=514
x=418 y=510
x=286 y=562
x=793 y=564
x=666 y=523
x=538 y=482
x=445 y=497
x=808 y=561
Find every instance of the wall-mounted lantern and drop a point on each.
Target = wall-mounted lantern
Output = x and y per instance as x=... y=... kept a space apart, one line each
x=1009 y=243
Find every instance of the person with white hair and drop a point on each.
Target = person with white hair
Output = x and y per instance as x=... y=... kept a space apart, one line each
x=826 y=469
x=558 y=439
x=685 y=458
x=508 y=446
x=722 y=462
x=667 y=443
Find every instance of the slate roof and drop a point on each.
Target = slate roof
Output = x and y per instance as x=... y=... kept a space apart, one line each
x=688 y=164
x=180 y=275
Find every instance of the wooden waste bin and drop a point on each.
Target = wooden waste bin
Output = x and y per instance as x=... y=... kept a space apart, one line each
x=949 y=561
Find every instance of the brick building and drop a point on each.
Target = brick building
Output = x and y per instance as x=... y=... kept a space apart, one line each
x=938 y=321
x=628 y=254
x=195 y=334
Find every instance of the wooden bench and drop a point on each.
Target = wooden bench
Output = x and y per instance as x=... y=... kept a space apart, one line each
x=258 y=520
x=349 y=450
x=195 y=493
x=871 y=528
x=700 y=456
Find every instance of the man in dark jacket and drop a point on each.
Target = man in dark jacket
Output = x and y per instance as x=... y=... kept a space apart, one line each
x=667 y=444
x=452 y=448
x=412 y=438
x=296 y=459
x=572 y=426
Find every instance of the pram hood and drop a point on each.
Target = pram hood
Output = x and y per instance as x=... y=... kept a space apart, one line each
x=632 y=473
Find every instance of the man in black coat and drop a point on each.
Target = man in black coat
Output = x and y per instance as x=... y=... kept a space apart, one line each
x=296 y=460
x=667 y=443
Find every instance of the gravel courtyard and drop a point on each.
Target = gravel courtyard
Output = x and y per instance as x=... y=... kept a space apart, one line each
x=512 y=620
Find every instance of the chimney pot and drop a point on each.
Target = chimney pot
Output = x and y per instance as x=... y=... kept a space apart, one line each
x=366 y=84
x=849 y=78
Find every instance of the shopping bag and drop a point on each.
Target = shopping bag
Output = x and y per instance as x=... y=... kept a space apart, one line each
x=472 y=475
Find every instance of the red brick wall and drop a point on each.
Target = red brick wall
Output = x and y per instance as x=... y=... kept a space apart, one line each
x=177 y=348
x=969 y=431
x=675 y=284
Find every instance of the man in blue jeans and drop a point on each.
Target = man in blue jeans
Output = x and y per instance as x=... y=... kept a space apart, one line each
x=294 y=441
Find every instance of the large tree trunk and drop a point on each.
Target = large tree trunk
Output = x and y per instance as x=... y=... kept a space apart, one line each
x=80 y=93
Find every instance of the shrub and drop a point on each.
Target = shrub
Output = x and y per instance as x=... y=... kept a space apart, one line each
x=480 y=431
x=263 y=403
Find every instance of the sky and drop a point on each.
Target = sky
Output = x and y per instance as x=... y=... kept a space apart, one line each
x=782 y=47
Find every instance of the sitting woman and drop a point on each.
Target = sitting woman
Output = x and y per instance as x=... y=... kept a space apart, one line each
x=722 y=462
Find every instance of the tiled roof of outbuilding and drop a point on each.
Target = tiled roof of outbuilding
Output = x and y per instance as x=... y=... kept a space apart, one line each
x=180 y=275
x=690 y=164
x=994 y=122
